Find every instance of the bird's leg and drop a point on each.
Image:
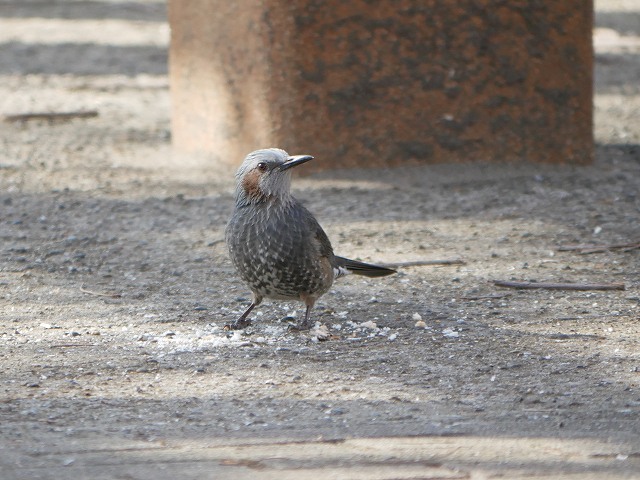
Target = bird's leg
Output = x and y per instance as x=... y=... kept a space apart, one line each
x=243 y=321
x=309 y=300
x=306 y=324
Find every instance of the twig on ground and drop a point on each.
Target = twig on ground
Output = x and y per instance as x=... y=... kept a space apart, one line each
x=72 y=345
x=492 y=296
x=585 y=249
x=99 y=294
x=560 y=286
x=23 y=117
x=422 y=263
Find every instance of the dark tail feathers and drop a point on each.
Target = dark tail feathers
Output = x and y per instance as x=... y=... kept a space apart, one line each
x=361 y=268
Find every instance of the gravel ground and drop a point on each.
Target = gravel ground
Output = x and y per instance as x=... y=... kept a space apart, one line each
x=115 y=285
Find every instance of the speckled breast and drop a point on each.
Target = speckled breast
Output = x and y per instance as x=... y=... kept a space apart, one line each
x=274 y=254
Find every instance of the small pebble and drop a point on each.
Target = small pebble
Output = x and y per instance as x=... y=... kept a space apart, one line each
x=416 y=316
x=421 y=324
x=49 y=326
x=319 y=333
x=450 y=333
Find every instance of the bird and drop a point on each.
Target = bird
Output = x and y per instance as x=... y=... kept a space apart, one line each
x=277 y=246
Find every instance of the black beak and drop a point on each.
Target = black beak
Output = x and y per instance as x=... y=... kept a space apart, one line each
x=295 y=160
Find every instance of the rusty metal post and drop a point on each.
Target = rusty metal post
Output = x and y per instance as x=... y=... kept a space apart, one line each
x=384 y=83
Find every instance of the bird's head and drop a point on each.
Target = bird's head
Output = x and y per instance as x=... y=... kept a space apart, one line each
x=266 y=174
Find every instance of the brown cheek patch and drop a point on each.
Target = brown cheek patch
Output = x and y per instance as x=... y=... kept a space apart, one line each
x=251 y=184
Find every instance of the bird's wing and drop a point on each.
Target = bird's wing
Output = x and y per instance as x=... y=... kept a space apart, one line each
x=313 y=231
x=341 y=266
x=326 y=250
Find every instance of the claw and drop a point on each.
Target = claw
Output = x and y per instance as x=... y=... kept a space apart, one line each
x=297 y=327
x=238 y=325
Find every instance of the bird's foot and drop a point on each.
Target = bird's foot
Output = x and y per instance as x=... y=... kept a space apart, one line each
x=239 y=324
x=299 y=327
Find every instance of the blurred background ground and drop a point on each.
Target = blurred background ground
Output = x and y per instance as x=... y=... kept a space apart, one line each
x=115 y=286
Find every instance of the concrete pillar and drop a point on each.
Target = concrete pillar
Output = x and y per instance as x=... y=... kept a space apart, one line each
x=382 y=83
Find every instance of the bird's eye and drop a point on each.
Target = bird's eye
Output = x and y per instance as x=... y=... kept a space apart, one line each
x=262 y=167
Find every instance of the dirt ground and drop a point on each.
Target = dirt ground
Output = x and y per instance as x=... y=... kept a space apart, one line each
x=115 y=285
